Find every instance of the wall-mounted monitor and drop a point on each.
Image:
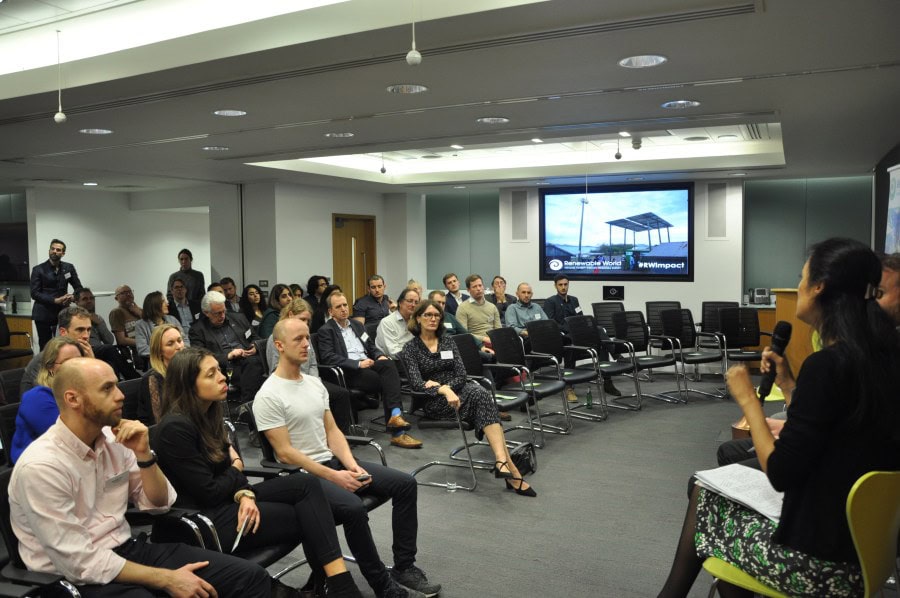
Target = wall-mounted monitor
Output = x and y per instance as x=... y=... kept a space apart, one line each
x=639 y=232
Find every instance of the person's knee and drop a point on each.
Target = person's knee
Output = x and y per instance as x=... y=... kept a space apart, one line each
x=350 y=514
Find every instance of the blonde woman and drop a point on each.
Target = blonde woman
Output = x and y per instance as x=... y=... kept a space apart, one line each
x=165 y=342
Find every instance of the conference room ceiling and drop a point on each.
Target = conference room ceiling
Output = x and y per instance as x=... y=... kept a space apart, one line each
x=786 y=89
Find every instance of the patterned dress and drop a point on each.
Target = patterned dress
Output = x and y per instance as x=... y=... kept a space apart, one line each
x=446 y=367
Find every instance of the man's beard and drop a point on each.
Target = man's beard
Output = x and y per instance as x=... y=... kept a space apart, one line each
x=94 y=415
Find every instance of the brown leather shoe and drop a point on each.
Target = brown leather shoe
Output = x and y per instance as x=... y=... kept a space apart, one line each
x=398 y=423
x=505 y=416
x=406 y=441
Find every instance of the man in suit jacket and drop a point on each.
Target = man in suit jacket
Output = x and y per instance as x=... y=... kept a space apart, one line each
x=50 y=282
x=345 y=343
x=231 y=339
x=187 y=311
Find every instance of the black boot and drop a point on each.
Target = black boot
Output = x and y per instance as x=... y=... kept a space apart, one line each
x=342 y=586
x=610 y=389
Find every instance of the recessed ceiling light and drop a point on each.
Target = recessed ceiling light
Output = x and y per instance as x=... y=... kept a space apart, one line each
x=431 y=157
x=406 y=88
x=459 y=186
x=642 y=61
x=456 y=146
x=624 y=134
x=89 y=184
x=339 y=135
x=680 y=104
x=635 y=178
x=697 y=138
x=215 y=148
x=95 y=131
x=537 y=140
x=230 y=112
x=492 y=120
x=728 y=137
x=738 y=174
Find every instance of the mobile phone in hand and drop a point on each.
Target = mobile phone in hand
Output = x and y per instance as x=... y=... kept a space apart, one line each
x=363 y=477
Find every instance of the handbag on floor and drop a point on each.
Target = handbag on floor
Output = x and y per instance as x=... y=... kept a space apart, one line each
x=525 y=458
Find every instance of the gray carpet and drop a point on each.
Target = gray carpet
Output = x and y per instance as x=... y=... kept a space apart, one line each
x=611 y=499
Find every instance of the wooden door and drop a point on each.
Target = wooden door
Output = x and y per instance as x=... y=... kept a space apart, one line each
x=354 y=253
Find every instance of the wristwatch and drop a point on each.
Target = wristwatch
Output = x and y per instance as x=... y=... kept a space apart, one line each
x=242 y=493
x=150 y=462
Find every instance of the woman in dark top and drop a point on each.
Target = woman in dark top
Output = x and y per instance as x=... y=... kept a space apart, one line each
x=320 y=309
x=165 y=342
x=842 y=423
x=251 y=305
x=279 y=298
x=207 y=472
x=434 y=366
x=500 y=297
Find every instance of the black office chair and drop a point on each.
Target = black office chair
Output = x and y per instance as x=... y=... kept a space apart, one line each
x=131 y=389
x=654 y=311
x=14 y=571
x=546 y=338
x=740 y=329
x=709 y=311
x=11 y=381
x=586 y=335
x=510 y=354
x=335 y=374
x=679 y=325
x=260 y=345
x=8 y=415
x=631 y=328
x=6 y=352
x=603 y=312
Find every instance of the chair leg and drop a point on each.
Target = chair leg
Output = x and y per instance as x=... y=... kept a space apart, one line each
x=595 y=417
x=469 y=464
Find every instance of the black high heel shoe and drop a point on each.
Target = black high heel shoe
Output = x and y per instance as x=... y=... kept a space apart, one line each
x=498 y=473
x=526 y=492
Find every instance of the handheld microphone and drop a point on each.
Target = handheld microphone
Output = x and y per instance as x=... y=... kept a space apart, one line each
x=781 y=336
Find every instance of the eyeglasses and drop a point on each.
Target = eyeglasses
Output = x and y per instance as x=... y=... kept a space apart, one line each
x=431 y=315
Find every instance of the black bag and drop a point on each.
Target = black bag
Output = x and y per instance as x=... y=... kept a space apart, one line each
x=525 y=458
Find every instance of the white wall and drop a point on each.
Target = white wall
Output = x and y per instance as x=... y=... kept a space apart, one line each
x=717 y=262
x=111 y=244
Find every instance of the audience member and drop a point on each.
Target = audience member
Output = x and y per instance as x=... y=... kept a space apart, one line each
x=558 y=308
x=296 y=290
x=435 y=367
x=393 y=330
x=73 y=322
x=372 y=307
x=345 y=343
x=207 y=472
x=69 y=491
x=451 y=324
x=50 y=282
x=279 y=298
x=523 y=310
x=217 y=287
x=124 y=318
x=842 y=422
x=231 y=340
x=338 y=396
x=102 y=340
x=320 y=311
x=185 y=310
x=38 y=410
x=251 y=306
x=454 y=297
x=155 y=312
x=416 y=286
x=315 y=286
x=500 y=297
x=166 y=341
x=477 y=314
x=232 y=301
x=292 y=411
x=890 y=286
x=193 y=279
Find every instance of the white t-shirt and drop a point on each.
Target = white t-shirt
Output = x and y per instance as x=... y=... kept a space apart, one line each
x=298 y=405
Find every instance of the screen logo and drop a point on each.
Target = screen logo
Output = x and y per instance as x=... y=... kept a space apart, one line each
x=555 y=265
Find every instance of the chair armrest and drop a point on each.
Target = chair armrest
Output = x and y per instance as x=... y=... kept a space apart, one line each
x=284 y=467
x=265 y=473
x=666 y=339
x=542 y=358
x=763 y=333
x=518 y=369
x=11 y=590
x=366 y=441
x=12 y=573
x=715 y=335
x=614 y=342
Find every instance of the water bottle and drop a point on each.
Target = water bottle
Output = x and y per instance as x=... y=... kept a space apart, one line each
x=589 y=400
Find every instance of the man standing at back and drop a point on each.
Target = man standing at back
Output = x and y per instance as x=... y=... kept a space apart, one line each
x=194 y=280
x=49 y=289
x=477 y=315
x=70 y=488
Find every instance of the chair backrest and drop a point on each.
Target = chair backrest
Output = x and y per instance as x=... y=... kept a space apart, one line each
x=654 y=310
x=740 y=325
x=260 y=345
x=603 y=314
x=9 y=538
x=5 y=338
x=680 y=324
x=8 y=428
x=873 y=514
x=545 y=337
x=268 y=452
x=11 y=380
x=507 y=345
x=709 y=311
x=131 y=389
x=630 y=326
x=372 y=329
x=468 y=351
x=583 y=331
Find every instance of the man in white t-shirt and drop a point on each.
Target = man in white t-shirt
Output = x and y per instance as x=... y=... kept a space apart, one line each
x=292 y=411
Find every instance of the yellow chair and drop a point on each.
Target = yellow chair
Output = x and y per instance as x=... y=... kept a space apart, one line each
x=873 y=514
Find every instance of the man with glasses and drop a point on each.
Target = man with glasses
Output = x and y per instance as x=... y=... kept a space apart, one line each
x=393 y=332
x=231 y=339
x=372 y=308
x=186 y=310
x=103 y=342
x=125 y=317
x=49 y=289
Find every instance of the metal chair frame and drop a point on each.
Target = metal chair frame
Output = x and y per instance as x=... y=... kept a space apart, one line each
x=678 y=324
x=641 y=342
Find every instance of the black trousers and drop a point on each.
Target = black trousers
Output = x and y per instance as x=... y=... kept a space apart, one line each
x=229 y=575
x=381 y=377
x=340 y=406
x=349 y=510
x=45 y=331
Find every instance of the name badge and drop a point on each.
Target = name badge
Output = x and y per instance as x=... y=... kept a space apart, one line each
x=116 y=480
x=255 y=322
x=448 y=325
x=446 y=354
x=364 y=337
x=537 y=316
x=247 y=333
x=196 y=316
x=578 y=310
x=67 y=275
